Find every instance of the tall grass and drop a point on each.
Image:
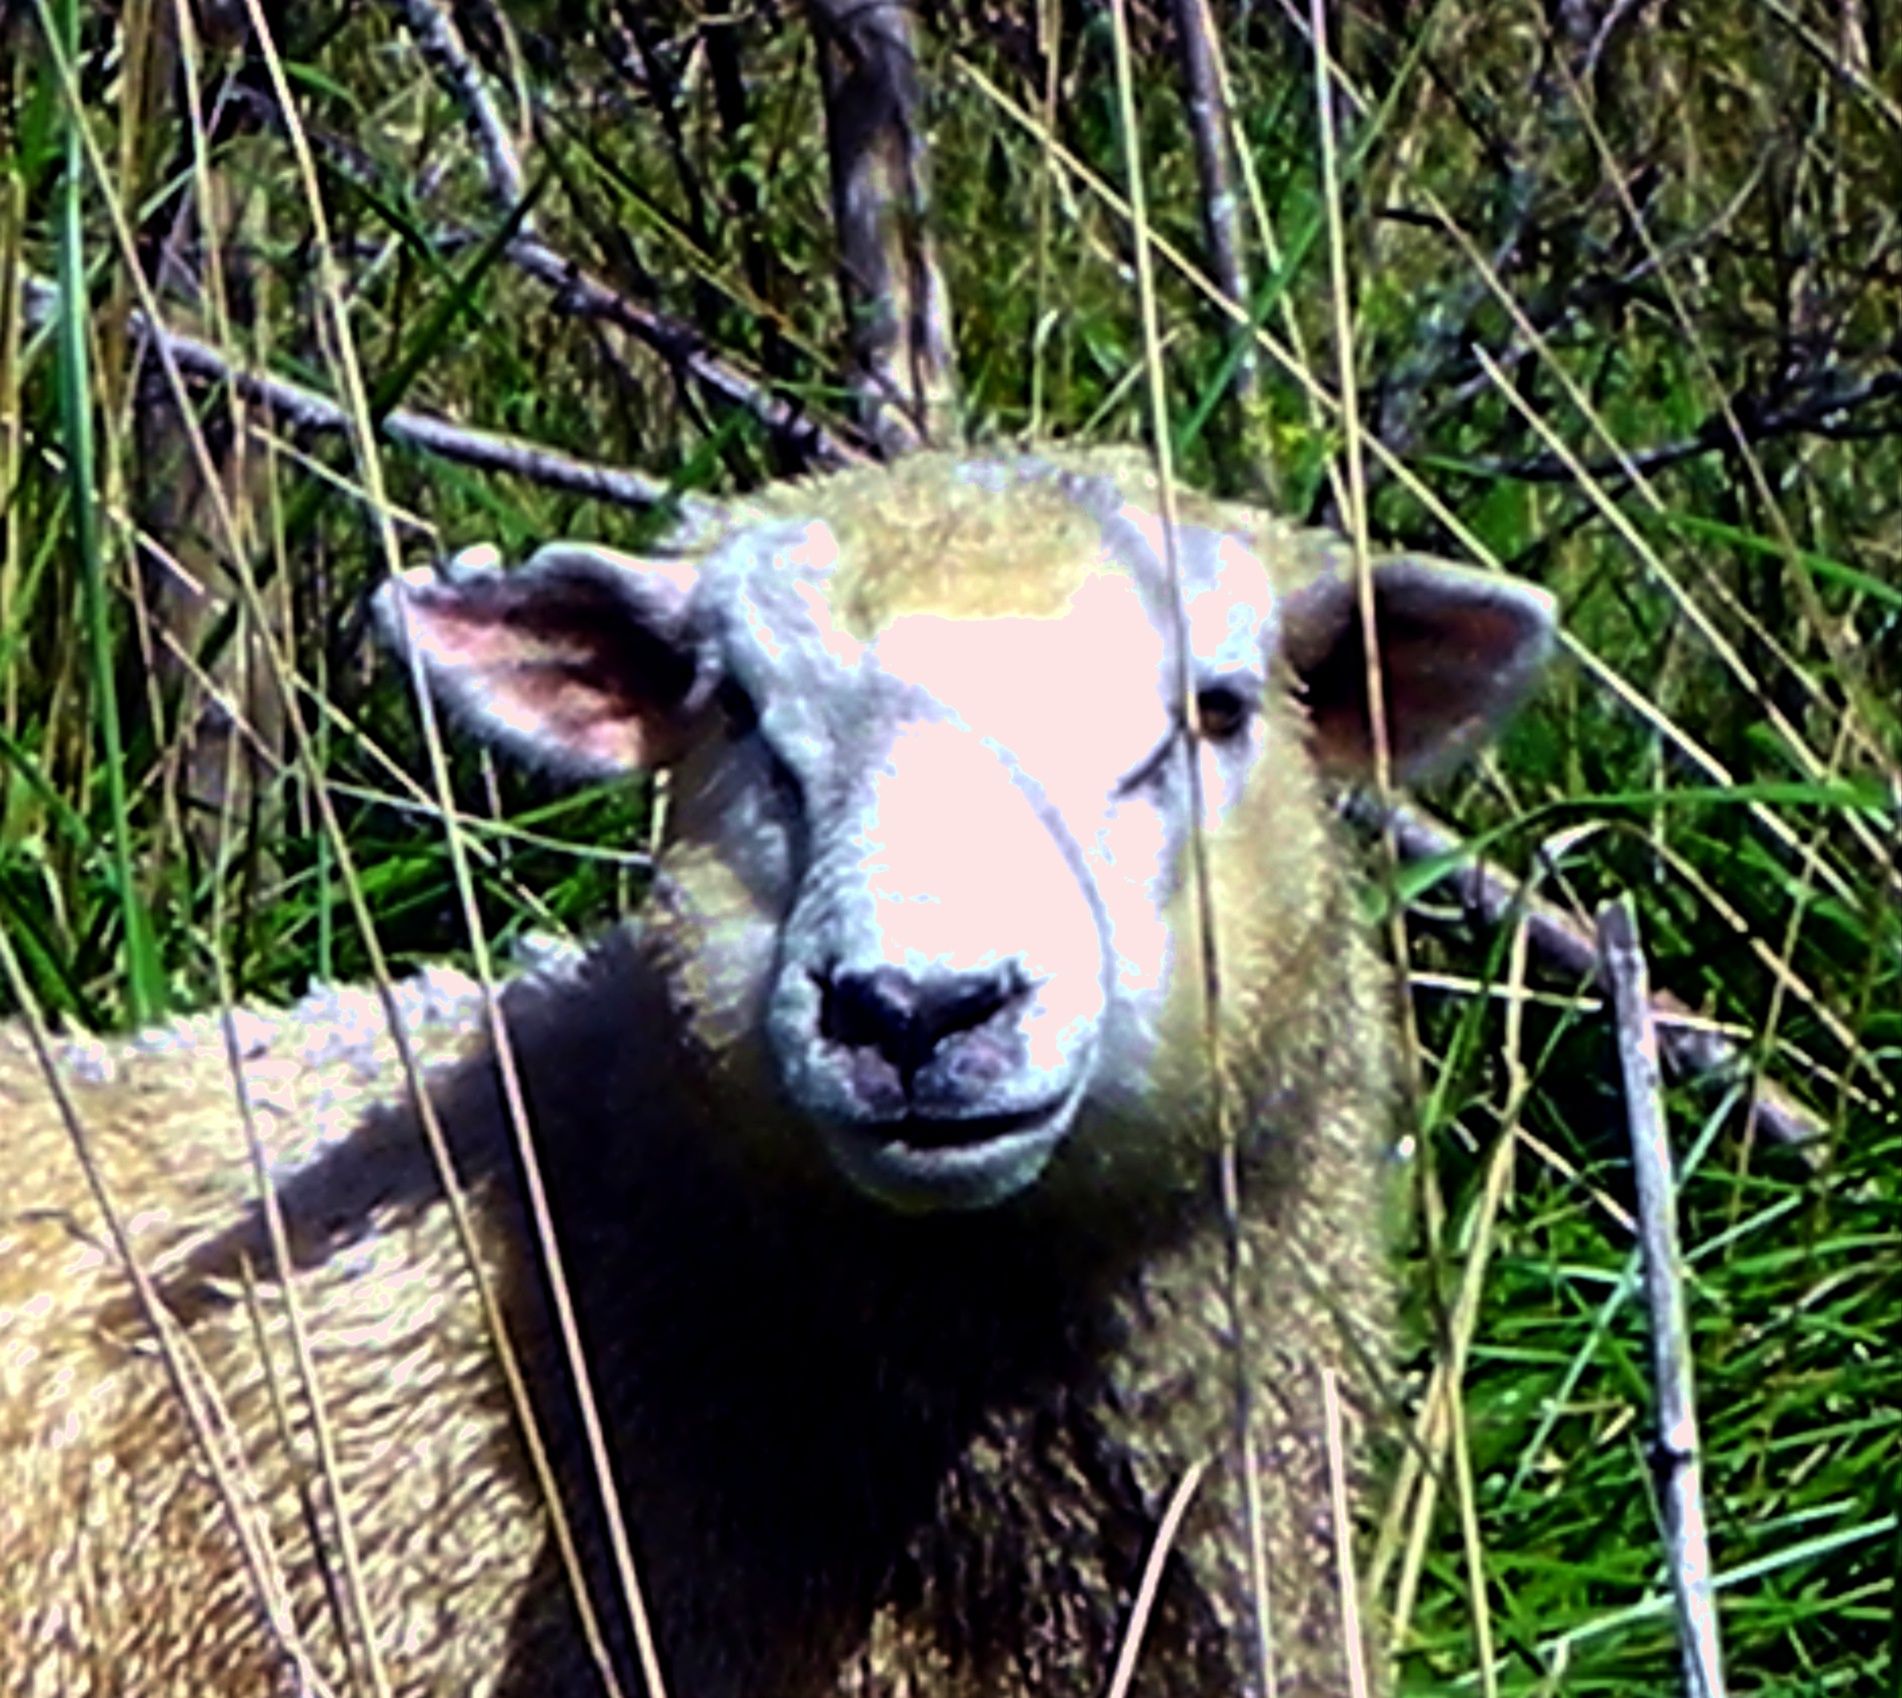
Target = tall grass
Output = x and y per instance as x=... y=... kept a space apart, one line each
x=1621 y=310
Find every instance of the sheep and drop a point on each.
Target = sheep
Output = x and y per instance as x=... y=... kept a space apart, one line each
x=884 y=1152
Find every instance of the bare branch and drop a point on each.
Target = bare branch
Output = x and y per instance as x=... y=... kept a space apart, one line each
x=304 y=409
x=805 y=440
x=1828 y=409
x=897 y=308
x=1209 y=126
x=442 y=46
x=1675 y=1458
x=683 y=347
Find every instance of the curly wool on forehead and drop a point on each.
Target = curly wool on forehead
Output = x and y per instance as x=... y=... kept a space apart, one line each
x=973 y=541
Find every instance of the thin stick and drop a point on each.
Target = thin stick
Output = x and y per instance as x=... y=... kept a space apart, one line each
x=304 y=409
x=1208 y=118
x=435 y=33
x=681 y=345
x=1675 y=1458
x=898 y=310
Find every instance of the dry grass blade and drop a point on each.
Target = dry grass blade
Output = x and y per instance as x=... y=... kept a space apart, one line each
x=210 y=1428
x=1145 y=1600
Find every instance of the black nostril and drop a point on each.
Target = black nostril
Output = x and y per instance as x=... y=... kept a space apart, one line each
x=904 y=1018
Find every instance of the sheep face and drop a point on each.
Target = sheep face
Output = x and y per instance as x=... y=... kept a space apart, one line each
x=940 y=736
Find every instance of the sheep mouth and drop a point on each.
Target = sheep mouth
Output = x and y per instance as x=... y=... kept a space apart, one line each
x=968 y=1131
x=921 y=1164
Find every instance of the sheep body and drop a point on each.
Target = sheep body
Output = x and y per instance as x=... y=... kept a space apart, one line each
x=124 y=1574
x=896 y=1408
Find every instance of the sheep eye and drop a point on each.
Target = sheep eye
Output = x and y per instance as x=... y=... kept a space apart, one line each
x=1221 y=712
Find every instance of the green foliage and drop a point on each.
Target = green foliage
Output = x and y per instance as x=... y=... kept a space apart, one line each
x=1623 y=319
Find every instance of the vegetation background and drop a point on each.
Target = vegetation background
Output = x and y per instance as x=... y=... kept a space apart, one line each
x=1607 y=293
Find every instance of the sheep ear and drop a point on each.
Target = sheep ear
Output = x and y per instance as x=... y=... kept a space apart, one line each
x=1459 y=650
x=580 y=660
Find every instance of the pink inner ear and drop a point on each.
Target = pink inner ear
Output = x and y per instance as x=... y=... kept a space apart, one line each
x=571 y=665
x=586 y=717
x=1458 y=650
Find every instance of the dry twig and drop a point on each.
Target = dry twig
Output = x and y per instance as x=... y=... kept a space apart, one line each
x=1208 y=120
x=435 y=32
x=684 y=348
x=297 y=408
x=1675 y=1458
x=898 y=310
x=583 y=296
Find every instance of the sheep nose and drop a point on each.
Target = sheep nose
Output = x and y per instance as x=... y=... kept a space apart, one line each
x=906 y=1019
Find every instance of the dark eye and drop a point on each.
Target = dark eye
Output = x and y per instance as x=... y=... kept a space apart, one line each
x=1221 y=712
x=737 y=706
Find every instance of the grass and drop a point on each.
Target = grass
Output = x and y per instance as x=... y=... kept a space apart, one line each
x=1621 y=317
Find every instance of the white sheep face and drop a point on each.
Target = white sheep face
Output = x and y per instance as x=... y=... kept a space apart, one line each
x=933 y=744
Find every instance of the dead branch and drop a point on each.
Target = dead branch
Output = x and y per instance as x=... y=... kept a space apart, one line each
x=297 y=408
x=1832 y=406
x=1208 y=120
x=685 y=349
x=806 y=441
x=1675 y=1457
x=441 y=44
x=898 y=311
